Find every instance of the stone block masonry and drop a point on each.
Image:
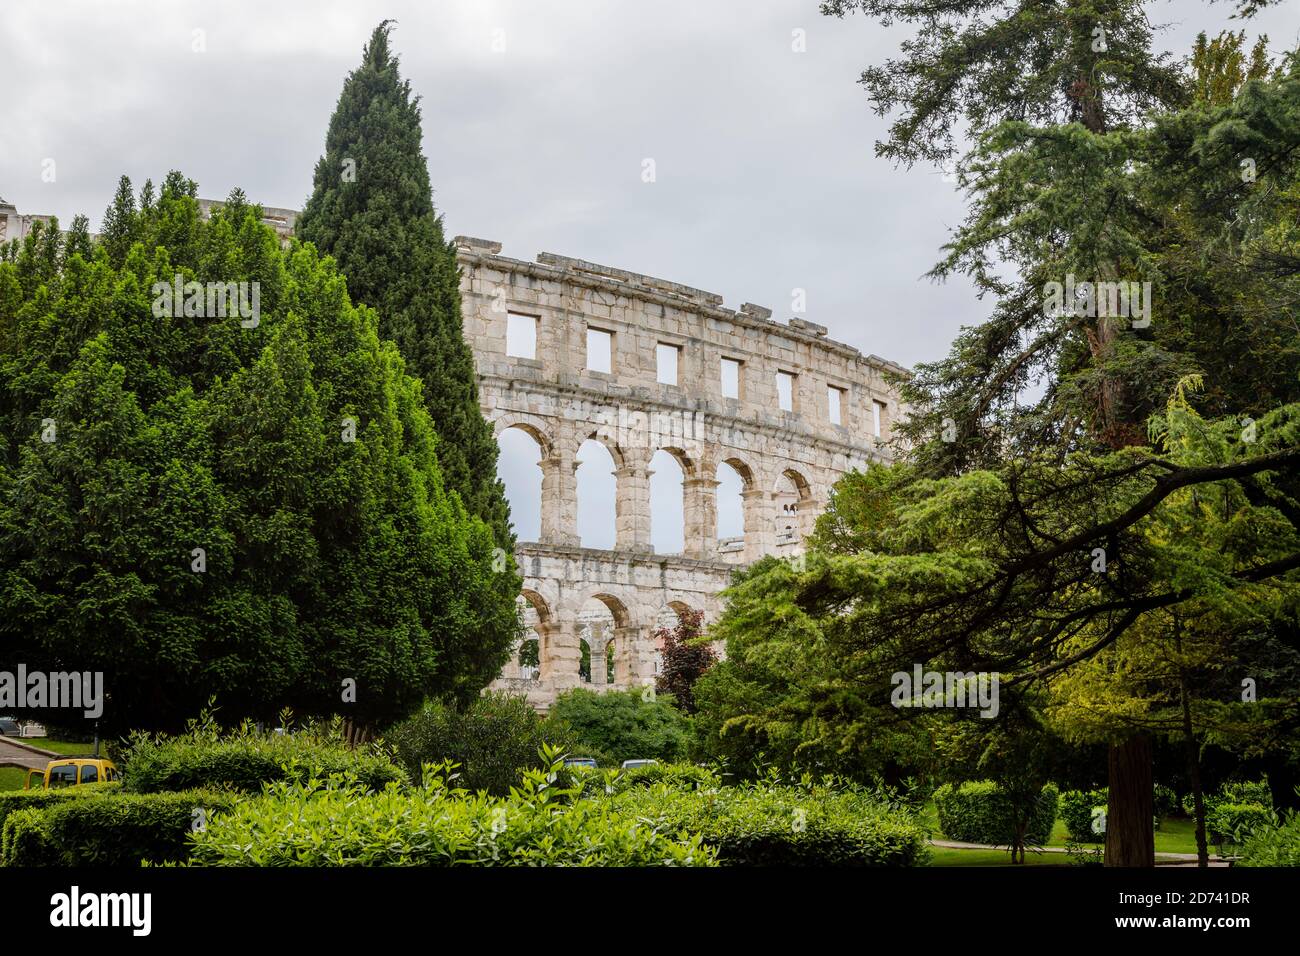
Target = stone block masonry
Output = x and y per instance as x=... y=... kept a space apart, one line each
x=787 y=459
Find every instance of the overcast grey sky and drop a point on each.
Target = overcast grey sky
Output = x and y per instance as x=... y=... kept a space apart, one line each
x=766 y=177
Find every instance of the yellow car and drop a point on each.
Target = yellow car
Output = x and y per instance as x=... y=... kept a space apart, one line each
x=72 y=772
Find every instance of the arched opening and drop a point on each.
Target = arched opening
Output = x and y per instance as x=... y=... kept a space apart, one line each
x=667 y=504
x=596 y=491
x=519 y=468
x=528 y=656
x=732 y=477
x=596 y=624
x=793 y=500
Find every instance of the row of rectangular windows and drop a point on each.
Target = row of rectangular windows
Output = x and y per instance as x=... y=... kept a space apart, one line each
x=521 y=342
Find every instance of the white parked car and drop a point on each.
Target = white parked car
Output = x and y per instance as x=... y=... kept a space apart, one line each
x=632 y=764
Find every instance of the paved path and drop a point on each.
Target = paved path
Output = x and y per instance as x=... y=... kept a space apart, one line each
x=1165 y=859
x=16 y=754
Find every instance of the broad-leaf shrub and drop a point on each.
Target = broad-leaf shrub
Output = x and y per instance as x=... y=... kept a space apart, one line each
x=1240 y=792
x=1076 y=808
x=328 y=824
x=244 y=759
x=1232 y=823
x=1273 y=845
x=109 y=830
x=492 y=740
x=624 y=725
x=982 y=812
x=676 y=776
x=766 y=825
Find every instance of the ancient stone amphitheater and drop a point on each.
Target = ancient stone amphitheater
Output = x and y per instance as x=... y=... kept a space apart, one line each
x=785 y=407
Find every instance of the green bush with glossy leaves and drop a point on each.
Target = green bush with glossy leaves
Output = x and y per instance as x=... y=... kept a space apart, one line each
x=329 y=823
x=775 y=824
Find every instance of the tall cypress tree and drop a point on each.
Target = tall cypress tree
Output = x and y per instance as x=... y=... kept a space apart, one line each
x=372 y=210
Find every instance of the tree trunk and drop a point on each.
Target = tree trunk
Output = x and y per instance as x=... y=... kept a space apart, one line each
x=1193 y=758
x=1194 y=776
x=1130 y=836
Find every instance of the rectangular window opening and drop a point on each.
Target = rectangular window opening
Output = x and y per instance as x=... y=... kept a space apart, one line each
x=600 y=350
x=521 y=335
x=666 y=357
x=730 y=378
x=785 y=391
x=834 y=403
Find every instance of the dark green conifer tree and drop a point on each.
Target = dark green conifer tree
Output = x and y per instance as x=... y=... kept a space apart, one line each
x=372 y=210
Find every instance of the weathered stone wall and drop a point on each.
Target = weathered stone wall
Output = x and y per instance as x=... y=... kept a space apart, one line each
x=784 y=458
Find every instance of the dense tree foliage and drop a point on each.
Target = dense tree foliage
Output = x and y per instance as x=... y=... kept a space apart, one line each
x=1092 y=159
x=372 y=210
x=242 y=506
x=685 y=658
x=623 y=725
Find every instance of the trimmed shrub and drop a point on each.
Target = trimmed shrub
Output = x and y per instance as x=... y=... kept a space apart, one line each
x=246 y=759
x=1076 y=810
x=1272 y=845
x=493 y=740
x=110 y=830
x=761 y=825
x=12 y=801
x=1239 y=792
x=296 y=824
x=982 y=812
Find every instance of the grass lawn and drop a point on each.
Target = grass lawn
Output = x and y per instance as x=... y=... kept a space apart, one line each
x=946 y=856
x=11 y=778
x=1175 y=835
x=67 y=748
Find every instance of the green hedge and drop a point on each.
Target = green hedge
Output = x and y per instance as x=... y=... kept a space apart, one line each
x=981 y=812
x=247 y=760
x=109 y=830
x=765 y=825
x=1240 y=792
x=14 y=800
x=313 y=825
x=1076 y=808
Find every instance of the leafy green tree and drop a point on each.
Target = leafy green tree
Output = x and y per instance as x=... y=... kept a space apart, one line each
x=246 y=506
x=118 y=232
x=685 y=659
x=78 y=242
x=372 y=210
x=624 y=725
x=1001 y=572
x=1092 y=158
x=973 y=64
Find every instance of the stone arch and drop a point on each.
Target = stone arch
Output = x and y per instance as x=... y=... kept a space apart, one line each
x=535 y=614
x=520 y=467
x=668 y=494
x=533 y=425
x=596 y=493
x=736 y=518
x=617 y=453
x=793 y=498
